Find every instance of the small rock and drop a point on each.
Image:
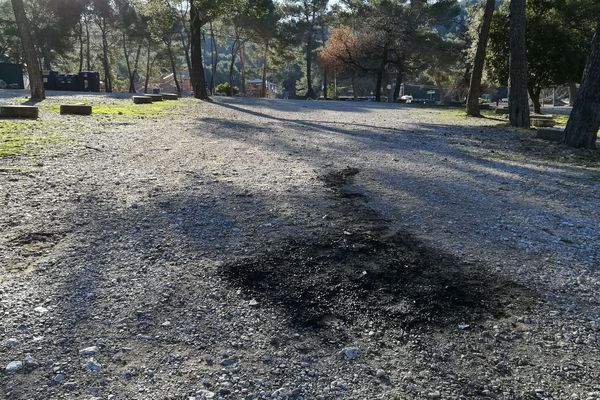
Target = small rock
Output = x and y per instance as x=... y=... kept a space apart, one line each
x=350 y=353
x=30 y=362
x=12 y=342
x=14 y=366
x=58 y=378
x=380 y=374
x=166 y=323
x=41 y=310
x=89 y=351
x=228 y=361
x=434 y=395
x=281 y=392
x=91 y=365
x=206 y=394
x=253 y=303
x=70 y=385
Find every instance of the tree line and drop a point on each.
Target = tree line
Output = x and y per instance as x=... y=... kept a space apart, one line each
x=460 y=46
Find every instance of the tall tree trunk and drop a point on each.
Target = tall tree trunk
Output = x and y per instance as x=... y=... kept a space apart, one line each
x=475 y=84
x=134 y=71
x=572 y=93
x=148 y=67
x=186 y=52
x=197 y=77
x=80 y=46
x=87 y=44
x=398 y=84
x=263 y=87
x=325 y=83
x=46 y=64
x=584 y=122
x=105 y=60
x=380 y=74
x=325 y=72
x=518 y=103
x=127 y=64
x=378 y=84
x=354 y=87
x=243 y=67
x=534 y=93
x=173 y=67
x=234 y=50
x=214 y=58
x=31 y=57
x=310 y=93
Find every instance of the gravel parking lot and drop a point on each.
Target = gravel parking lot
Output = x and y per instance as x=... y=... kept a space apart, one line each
x=256 y=249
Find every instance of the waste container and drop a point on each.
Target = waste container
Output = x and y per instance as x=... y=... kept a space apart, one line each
x=89 y=81
x=12 y=75
x=68 y=82
x=50 y=79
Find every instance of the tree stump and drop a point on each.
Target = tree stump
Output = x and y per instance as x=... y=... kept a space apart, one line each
x=170 y=96
x=155 y=97
x=10 y=111
x=552 y=134
x=142 y=99
x=76 y=109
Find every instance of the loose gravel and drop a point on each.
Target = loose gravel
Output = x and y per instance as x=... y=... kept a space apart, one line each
x=254 y=249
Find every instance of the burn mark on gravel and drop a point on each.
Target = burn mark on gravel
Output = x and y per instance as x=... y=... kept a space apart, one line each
x=364 y=276
x=32 y=237
x=393 y=282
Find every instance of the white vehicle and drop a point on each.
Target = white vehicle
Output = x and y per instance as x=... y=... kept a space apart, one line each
x=406 y=99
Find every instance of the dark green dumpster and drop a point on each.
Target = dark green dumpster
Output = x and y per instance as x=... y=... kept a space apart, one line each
x=12 y=75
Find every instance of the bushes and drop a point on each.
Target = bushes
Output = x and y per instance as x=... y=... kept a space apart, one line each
x=226 y=89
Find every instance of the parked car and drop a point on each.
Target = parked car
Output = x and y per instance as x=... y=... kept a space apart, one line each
x=406 y=99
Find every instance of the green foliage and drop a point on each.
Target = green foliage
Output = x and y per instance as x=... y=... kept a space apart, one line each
x=559 y=33
x=162 y=20
x=226 y=88
x=10 y=45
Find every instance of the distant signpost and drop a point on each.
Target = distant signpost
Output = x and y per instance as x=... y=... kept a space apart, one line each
x=431 y=93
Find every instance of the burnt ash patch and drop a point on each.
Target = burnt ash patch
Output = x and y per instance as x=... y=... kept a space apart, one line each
x=363 y=275
x=394 y=282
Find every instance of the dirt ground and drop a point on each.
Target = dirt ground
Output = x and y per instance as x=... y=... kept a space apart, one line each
x=254 y=249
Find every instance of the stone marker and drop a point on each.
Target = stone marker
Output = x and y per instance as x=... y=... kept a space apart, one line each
x=170 y=96
x=142 y=99
x=15 y=111
x=542 y=121
x=553 y=134
x=77 y=109
x=155 y=97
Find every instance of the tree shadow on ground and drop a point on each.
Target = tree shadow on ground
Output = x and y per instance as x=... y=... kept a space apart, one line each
x=303 y=105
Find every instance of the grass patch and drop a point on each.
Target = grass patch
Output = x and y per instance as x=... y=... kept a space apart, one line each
x=561 y=119
x=20 y=136
x=448 y=113
x=117 y=107
x=133 y=109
